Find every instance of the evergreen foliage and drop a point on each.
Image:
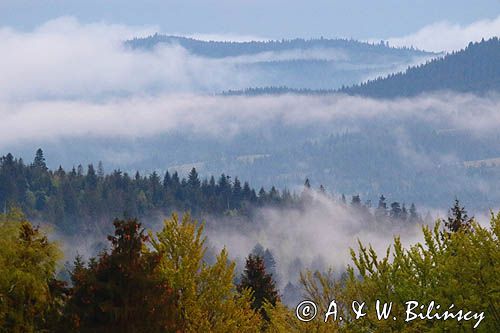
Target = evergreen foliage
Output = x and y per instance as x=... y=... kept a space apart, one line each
x=458 y=220
x=159 y=282
x=475 y=69
x=78 y=201
x=260 y=283
x=121 y=291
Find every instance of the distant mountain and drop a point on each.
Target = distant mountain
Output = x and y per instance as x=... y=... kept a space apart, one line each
x=476 y=69
x=222 y=49
x=314 y=64
x=276 y=91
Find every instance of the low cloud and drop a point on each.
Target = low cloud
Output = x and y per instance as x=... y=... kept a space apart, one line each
x=64 y=59
x=223 y=117
x=316 y=237
x=447 y=36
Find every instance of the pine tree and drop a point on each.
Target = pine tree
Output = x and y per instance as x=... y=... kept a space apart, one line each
x=79 y=170
x=274 y=195
x=91 y=178
x=458 y=220
x=404 y=213
x=413 y=213
x=381 y=211
x=356 y=201
x=322 y=189
x=100 y=170
x=193 y=180
x=156 y=189
x=247 y=192
x=121 y=291
x=395 y=210
x=39 y=161
x=166 y=180
x=260 y=283
x=262 y=196
x=237 y=193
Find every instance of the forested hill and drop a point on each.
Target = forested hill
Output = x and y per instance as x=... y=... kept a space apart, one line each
x=476 y=69
x=314 y=64
x=81 y=199
x=221 y=49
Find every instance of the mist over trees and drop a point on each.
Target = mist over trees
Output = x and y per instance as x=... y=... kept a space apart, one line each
x=232 y=255
x=474 y=69
x=160 y=282
x=302 y=64
x=221 y=49
x=87 y=199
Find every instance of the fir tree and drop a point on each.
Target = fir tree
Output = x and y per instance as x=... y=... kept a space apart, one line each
x=120 y=291
x=395 y=210
x=39 y=161
x=100 y=170
x=413 y=213
x=458 y=220
x=260 y=283
x=356 y=201
x=381 y=211
x=322 y=189
x=193 y=180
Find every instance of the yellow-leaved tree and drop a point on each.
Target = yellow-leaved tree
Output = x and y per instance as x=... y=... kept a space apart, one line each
x=461 y=267
x=27 y=267
x=207 y=298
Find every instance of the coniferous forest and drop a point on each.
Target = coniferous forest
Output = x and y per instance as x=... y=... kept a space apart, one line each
x=249 y=166
x=89 y=198
x=145 y=281
x=159 y=282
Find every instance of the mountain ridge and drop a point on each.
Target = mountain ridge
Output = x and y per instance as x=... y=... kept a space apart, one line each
x=474 y=69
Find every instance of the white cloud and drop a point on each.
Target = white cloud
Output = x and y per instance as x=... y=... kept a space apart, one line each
x=446 y=36
x=222 y=117
x=293 y=233
x=65 y=59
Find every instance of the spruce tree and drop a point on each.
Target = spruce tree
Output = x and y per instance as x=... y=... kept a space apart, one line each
x=458 y=220
x=322 y=189
x=404 y=213
x=260 y=283
x=120 y=291
x=166 y=180
x=356 y=201
x=193 y=180
x=413 y=213
x=395 y=210
x=39 y=161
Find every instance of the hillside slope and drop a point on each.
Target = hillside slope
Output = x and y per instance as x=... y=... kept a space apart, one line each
x=476 y=69
x=315 y=64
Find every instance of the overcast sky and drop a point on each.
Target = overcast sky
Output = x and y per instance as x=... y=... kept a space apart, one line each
x=360 y=19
